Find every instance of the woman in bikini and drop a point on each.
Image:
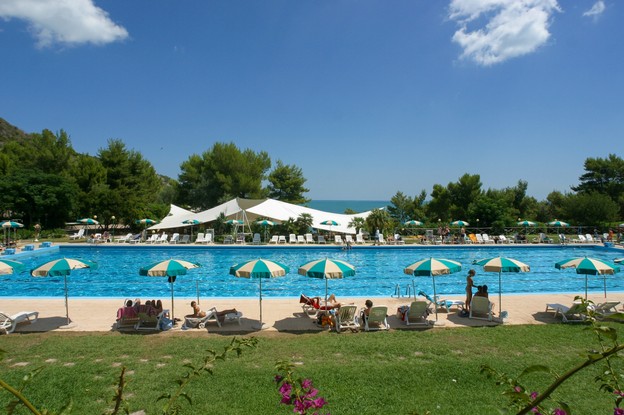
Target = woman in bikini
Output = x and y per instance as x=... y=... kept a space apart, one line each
x=469 y=285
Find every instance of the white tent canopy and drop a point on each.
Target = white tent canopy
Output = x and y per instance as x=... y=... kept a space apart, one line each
x=251 y=209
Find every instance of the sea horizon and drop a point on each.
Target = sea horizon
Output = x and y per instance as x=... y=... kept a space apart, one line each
x=339 y=206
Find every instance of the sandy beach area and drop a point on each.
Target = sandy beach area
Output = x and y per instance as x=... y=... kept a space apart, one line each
x=279 y=315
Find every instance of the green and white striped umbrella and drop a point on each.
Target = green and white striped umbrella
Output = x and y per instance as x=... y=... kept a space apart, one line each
x=170 y=268
x=265 y=222
x=413 y=223
x=62 y=267
x=88 y=221
x=327 y=269
x=431 y=267
x=146 y=221
x=234 y=222
x=11 y=224
x=590 y=266
x=526 y=223
x=8 y=266
x=460 y=223
x=259 y=268
x=500 y=265
x=559 y=223
x=329 y=222
x=191 y=222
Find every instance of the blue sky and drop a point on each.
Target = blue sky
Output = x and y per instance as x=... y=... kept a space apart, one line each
x=367 y=97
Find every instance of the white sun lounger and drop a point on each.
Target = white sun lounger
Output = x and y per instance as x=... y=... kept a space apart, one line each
x=9 y=323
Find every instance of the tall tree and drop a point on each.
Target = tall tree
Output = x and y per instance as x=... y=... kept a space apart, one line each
x=462 y=193
x=286 y=183
x=605 y=176
x=590 y=208
x=38 y=197
x=131 y=183
x=378 y=219
x=221 y=173
x=440 y=204
x=401 y=207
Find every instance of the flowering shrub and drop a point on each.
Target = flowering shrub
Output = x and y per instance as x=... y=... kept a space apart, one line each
x=537 y=403
x=300 y=393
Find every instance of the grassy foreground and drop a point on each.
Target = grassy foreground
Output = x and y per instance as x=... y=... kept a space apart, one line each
x=394 y=372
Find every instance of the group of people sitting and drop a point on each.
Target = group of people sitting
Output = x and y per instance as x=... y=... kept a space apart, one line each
x=318 y=304
x=131 y=309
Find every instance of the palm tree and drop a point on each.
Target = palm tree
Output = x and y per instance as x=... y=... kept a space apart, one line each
x=357 y=223
x=304 y=223
x=377 y=219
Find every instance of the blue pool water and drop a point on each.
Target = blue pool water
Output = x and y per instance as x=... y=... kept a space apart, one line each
x=378 y=271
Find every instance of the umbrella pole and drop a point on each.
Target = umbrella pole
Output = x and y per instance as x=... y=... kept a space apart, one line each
x=172 y=315
x=66 y=303
x=260 y=303
x=604 y=276
x=500 y=291
x=435 y=298
x=585 y=287
x=326 y=290
x=197 y=289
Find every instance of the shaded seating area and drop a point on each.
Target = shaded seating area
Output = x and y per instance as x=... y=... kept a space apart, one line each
x=78 y=235
x=442 y=304
x=346 y=318
x=212 y=314
x=148 y=322
x=311 y=305
x=417 y=314
x=376 y=319
x=8 y=323
x=481 y=308
x=575 y=313
x=606 y=309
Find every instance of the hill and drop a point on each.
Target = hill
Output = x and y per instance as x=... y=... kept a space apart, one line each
x=9 y=132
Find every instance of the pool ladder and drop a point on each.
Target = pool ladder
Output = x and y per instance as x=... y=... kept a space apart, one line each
x=408 y=291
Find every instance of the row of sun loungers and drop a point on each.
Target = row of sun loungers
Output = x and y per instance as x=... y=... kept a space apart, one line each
x=577 y=312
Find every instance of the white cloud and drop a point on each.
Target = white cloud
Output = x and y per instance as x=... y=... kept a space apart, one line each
x=597 y=9
x=509 y=28
x=64 y=21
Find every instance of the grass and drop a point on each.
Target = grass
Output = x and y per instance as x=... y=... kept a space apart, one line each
x=396 y=372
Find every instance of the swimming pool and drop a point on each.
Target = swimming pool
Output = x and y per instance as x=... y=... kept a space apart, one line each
x=378 y=271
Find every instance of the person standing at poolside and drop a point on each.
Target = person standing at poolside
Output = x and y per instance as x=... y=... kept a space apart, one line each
x=469 y=285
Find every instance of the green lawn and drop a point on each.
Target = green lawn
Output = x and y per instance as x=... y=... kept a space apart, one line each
x=394 y=372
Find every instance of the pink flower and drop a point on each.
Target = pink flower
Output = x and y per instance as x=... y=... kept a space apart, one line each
x=285 y=389
x=560 y=411
x=312 y=393
x=618 y=411
x=533 y=395
x=306 y=383
x=320 y=402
